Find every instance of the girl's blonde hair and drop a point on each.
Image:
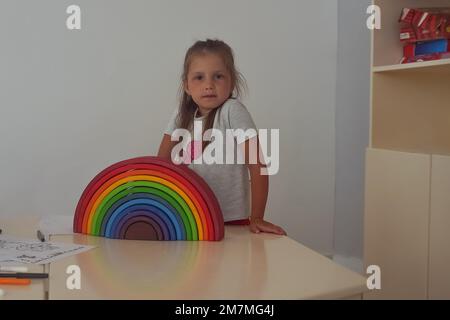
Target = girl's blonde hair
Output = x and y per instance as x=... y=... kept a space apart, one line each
x=187 y=105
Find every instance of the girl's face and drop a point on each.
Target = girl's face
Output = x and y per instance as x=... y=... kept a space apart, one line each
x=208 y=82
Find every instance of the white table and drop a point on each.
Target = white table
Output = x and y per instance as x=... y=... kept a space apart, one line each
x=242 y=266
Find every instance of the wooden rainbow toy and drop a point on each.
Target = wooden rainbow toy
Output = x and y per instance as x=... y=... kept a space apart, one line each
x=149 y=198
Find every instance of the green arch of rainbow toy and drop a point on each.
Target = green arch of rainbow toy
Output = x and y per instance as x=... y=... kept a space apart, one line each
x=149 y=198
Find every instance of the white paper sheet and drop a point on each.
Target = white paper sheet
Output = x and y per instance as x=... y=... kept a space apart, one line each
x=15 y=251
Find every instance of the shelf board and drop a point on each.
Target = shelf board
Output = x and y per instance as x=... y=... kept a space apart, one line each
x=414 y=65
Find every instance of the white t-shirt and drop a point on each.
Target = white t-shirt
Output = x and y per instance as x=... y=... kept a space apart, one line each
x=229 y=182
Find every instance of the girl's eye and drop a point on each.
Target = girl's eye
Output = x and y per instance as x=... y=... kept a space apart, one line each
x=219 y=76
x=198 y=78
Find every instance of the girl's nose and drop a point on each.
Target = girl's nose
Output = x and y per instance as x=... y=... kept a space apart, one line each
x=209 y=84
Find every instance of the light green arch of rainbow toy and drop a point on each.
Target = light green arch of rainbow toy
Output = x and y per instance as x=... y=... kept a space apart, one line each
x=128 y=188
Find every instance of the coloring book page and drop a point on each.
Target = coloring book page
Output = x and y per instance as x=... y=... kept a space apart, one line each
x=18 y=251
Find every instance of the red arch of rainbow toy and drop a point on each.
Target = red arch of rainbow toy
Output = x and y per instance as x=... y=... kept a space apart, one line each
x=181 y=206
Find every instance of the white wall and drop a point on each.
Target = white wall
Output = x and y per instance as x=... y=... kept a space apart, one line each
x=352 y=128
x=73 y=102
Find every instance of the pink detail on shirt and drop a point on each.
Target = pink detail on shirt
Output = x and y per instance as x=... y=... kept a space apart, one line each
x=193 y=151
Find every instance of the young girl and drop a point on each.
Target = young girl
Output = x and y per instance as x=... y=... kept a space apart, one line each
x=208 y=81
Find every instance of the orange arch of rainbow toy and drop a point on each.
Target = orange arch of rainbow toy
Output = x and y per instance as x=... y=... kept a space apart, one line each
x=149 y=198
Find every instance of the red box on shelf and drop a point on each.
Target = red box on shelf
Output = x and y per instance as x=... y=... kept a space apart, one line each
x=426 y=57
x=424 y=24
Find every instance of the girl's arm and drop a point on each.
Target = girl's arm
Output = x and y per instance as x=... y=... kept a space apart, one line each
x=165 y=148
x=259 y=191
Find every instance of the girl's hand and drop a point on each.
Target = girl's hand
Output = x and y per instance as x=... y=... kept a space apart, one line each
x=259 y=225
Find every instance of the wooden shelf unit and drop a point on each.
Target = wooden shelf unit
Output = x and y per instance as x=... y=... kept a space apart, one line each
x=406 y=214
